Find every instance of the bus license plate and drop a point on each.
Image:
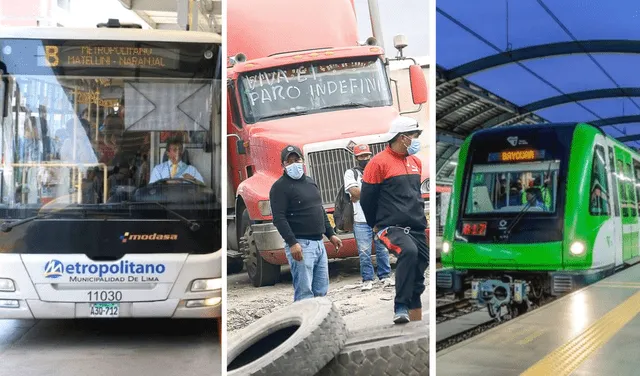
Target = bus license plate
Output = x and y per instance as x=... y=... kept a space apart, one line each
x=331 y=221
x=105 y=310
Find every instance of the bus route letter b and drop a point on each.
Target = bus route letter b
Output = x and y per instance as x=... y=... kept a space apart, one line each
x=51 y=55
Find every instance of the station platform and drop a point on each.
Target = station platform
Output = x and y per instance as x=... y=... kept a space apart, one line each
x=592 y=331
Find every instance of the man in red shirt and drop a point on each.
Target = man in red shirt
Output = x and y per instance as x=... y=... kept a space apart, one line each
x=393 y=206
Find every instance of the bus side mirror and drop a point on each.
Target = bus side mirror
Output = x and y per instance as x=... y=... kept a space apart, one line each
x=418 y=84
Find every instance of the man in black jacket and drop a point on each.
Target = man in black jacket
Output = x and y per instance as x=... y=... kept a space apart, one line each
x=301 y=221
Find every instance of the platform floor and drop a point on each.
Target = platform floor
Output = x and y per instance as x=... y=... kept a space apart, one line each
x=593 y=331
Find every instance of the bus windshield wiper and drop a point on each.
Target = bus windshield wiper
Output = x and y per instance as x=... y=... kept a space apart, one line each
x=193 y=225
x=8 y=226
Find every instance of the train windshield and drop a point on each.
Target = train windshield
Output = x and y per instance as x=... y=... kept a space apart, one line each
x=507 y=187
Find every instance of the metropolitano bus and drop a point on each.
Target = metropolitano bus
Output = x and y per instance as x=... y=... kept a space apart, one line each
x=85 y=115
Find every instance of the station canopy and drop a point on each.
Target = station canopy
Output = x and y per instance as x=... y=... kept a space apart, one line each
x=508 y=62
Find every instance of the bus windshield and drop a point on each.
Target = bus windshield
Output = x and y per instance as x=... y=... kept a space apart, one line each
x=507 y=187
x=91 y=130
x=314 y=87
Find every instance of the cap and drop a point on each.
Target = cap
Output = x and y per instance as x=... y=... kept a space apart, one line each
x=404 y=124
x=361 y=149
x=288 y=150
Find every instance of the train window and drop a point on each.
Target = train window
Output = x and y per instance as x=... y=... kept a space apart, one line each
x=630 y=193
x=599 y=188
x=622 y=186
x=636 y=168
x=614 y=183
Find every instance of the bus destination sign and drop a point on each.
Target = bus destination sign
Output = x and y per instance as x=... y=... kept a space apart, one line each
x=107 y=57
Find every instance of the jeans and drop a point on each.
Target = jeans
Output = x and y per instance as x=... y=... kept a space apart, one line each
x=311 y=275
x=364 y=238
x=413 y=259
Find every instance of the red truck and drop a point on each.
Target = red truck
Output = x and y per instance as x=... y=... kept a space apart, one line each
x=297 y=75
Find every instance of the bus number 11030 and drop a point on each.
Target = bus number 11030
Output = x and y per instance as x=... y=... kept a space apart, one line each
x=105 y=296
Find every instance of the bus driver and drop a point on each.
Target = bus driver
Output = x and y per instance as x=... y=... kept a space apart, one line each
x=174 y=168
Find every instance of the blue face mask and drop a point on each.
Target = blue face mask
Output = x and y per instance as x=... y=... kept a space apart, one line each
x=295 y=170
x=414 y=147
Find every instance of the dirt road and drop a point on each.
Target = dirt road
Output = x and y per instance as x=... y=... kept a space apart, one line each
x=360 y=309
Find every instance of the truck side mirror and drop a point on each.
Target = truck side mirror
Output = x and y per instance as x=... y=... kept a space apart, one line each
x=418 y=84
x=240 y=147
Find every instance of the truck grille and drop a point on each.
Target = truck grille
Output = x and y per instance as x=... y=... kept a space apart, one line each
x=327 y=168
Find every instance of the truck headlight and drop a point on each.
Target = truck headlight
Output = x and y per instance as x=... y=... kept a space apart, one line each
x=446 y=247
x=424 y=187
x=206 y=284
x=264 y=207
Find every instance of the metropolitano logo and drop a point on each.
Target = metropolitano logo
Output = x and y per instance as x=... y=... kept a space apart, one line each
x=53 y=269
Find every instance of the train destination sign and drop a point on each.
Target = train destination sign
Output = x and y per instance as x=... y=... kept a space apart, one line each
x=107 y=57
x=517 y=155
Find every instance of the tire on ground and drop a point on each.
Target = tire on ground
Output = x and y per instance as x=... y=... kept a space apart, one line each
x=391 y=350
x=297 y=340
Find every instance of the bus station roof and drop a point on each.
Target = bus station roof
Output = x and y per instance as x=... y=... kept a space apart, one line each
x=502 y=63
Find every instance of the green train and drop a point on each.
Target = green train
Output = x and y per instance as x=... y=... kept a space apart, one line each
x=539 y=210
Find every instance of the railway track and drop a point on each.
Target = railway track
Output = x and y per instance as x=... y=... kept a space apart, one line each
x=461 y=319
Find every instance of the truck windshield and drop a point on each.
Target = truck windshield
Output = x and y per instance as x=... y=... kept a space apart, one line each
x=314 y=87
x=85 y=127
x=506 y=188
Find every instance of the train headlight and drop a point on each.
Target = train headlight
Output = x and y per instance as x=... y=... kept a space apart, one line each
x=446 y=247
x=577 y=248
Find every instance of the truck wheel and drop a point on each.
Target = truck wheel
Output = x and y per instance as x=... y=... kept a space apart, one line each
x=234 y=265
x=391 y=350
x=260 y=272
x=299 y=339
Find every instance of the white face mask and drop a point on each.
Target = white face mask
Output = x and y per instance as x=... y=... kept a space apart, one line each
x=295 y=170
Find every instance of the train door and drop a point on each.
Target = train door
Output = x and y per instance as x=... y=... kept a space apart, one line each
x=617 y=220
x=627 y=201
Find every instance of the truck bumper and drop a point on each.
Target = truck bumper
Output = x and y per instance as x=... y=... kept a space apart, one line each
x=271 y=245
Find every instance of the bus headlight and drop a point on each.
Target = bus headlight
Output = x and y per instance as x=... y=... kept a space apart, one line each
x=206 y=284
x=577 y=248
x=7 y=284
x=446 y=247
x=264 y=207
